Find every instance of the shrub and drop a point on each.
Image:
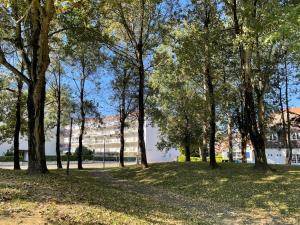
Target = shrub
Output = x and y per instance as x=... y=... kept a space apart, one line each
x=9 y=152
x=9 y=158
x=85 y=151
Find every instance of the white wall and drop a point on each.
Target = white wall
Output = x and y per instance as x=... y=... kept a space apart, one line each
x=275 y=156
x=153 y=154
x=6 y=146
x=49 y=144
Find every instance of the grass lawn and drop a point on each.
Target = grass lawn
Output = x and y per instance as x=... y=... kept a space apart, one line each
x=172 y=193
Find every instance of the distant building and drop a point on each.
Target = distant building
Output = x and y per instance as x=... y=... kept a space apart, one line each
x=50 y=144
x=275 y=144
x=103 y=138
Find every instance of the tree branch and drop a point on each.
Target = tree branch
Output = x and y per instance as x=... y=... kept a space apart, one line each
x=12 y=68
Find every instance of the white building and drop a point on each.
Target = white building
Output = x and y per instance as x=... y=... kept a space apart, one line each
x=50 y=144
x=103 y=139
x=275 y=147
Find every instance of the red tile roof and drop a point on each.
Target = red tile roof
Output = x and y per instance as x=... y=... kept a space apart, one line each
x=295 y=110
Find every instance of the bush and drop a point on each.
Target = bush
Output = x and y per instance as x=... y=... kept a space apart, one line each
x=194 y=151
x=181 y=158
x=9 y=158
x=219 y=158
x=9 y=152
x=85 y=151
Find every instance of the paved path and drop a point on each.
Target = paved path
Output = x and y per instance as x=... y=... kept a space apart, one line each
x=73 y=165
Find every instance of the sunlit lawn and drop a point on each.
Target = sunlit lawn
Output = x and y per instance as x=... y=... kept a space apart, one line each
x=173 y=193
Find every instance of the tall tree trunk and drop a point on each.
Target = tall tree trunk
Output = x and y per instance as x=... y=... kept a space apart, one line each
x=69 y=146
x=187 y=152
x=212 y=121
x=204 y=145
x=141 y=104
x=230 y=137
x=284 y=131
x=39 y=27
x=36 y=135
x=289 y=146
x=37 y=61
x=18 y=126
x=210 y=89
x=187 y=141
x=244 y=140
x=58 y=118
x=122 y=139
x=257 y=138
x=242 y=127
x=82 y=120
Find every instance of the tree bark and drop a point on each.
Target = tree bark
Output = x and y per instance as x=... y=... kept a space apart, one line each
x=36 y=60
x=204 y=149
x=58 y=120
x=242 y=127
x=122 y=139
x=141 y=104
x=212 y=121
x=82 y=120
x=289 y=144
x=70 y=145
x=244 y=140
x=230 y=137
x=187 y=141
x=187 y=152
x=36 y=135
x=282 y=118
x=210 y=89
x=257 y=137
x=18 y=126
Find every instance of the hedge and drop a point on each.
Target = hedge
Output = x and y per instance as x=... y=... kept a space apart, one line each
x=9 y=158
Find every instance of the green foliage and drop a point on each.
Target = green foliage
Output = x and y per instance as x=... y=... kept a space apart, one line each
x=8 y=99
x=9 y=152
x=85 y=151
x=9 y=158
x=181 y=158
x=174 y=101
x=67 y=102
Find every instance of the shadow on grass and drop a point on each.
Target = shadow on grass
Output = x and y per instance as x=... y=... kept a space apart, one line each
x=96 y=202
x=238 y=185
x=86 y=198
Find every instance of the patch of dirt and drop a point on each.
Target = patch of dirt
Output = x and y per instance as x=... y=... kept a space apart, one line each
x=35 y=219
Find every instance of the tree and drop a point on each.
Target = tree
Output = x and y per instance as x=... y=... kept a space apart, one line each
x=139 y=34
x=258 y=59
x=179 y=120
x=34 y=17
x=26 y=29
x=58 y=95
x=85 y=56
x=12 y=112
x=124 y=88
x=208 y=19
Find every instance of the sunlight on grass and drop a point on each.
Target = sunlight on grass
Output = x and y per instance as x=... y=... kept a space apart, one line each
x=172 y=193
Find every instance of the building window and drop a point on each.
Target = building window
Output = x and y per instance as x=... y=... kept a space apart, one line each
x=296 y=158
x=273 y=137
x=295 y=136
